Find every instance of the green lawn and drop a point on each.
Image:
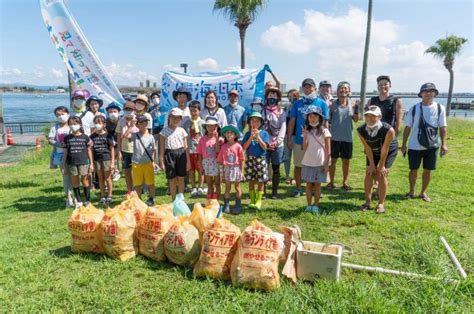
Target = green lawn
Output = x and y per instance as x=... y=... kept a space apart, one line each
x=38 y=272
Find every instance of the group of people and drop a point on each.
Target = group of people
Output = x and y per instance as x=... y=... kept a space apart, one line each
x=201 y=146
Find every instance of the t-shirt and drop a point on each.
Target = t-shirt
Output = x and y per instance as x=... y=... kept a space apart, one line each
x=231 y=155
x=195 y=131
x=387 y=107
x=77 y=147
x=56 y=136
x=206 y=146
x=430 y=114
x=341 y=122
x=110 y=126
x=234 y=116
x=101 y=146
x=315 y=154
x=297 y=111
x=275 y=125
x=139 y=154
x=376 y=142
x=122 y=127
x=219 y=114
x=254 y=148
x=174 y=138
x=88 y=121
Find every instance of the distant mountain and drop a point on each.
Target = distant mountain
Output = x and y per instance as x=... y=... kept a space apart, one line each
x=39 y=87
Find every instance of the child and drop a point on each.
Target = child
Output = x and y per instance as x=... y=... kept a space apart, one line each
x=56 y=138
x=174 y=153
x=113 y=111
x=143 y=163
x=193 y=126
x=208 y=148
x=141 y=109
x=124 y=146
x=78 y=159
x=104 y=157
x=255 y=143
x=317 y=155
x=231 y=157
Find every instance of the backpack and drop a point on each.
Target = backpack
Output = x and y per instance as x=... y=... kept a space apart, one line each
x=427 y=134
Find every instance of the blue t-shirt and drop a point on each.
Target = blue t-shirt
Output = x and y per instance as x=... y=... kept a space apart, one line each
x=255 y=149
x=234 y=116
x=297 y=111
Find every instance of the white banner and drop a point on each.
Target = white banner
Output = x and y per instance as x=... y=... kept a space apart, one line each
x=77 y=53
x=248 y=83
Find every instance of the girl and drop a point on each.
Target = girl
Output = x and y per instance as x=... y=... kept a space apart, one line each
x=208 y=148
x=174 y=152
x=231 y=157
x=56 y=138
x=78 y=159
x=317 y=155
x=104 y=157
x=213 y=108
x=255 y=143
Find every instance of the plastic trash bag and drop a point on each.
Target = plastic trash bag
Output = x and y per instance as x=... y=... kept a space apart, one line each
x=85 y=228
x=202 y=217
x=118 y=228
x=180 y=207
x=136 y=205
x=182 y=245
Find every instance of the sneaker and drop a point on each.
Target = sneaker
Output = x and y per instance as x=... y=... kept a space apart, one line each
x=78 y=204
x=109 y=199
x=103 y=201
x=200 y=192
x=150 y=201
x=69 y=202
x=194 y=192
x=297 y=193
x=204 y=191
x=308 y=209
x=314 y=209
x=87 y=203
x=116 y=176
x=187 y=189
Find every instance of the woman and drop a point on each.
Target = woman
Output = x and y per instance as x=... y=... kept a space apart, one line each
x=213 y=108
x=380 y=146
x=293 y=95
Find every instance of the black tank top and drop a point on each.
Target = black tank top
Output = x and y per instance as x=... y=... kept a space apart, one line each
x=388 y=108
x=376 y=142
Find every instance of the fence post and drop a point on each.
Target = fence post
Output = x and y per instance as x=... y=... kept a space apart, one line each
x=21 y=128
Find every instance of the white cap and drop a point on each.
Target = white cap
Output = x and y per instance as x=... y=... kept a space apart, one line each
x=176 y=112
x=374 y=110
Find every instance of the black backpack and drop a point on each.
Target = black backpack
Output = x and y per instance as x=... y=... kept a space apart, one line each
x=427 y=133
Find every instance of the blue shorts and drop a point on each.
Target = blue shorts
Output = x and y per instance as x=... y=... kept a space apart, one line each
x=275 y=157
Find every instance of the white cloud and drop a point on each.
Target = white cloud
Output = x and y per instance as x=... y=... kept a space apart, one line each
x=9 y=72
x=57 y=73
x=249 y=54
x=170 y=67
x=128 y=74
x=208 y=64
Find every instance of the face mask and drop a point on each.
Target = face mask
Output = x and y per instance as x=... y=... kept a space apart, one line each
x=311 y=96
x=78 y=103
x=75 y=127
x=98 y=127
x=315 y=124
x=371 y=125
x=127 y=114
x=272 y=101
x=63 y=118
x=139 y=107
x=113 y=116
x=156 y=101
x=257 y=107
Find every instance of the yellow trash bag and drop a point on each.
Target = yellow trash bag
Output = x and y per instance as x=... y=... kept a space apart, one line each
x=85 y=228
x=202 y=217
x=213 y=204
x=118 y=228
x=151 y=230
x=136 y=205
x=182 y=245
x=218 y=249
x=255 y=264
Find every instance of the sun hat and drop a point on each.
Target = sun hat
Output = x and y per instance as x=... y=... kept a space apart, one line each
x=308 y=81
x=234 y=92
x=273 y=89
x=210 y=120
x=79 y=93
x=94 y=98
x=142 y=118
x=428 y=86
x=313 y=109
x=255 y=114
x=257 y=100
x=176 y=112
x=129 y=105
x=142 y=98
x=230 y=128
x=181 y=90
x=113 y=105
x=373 y=110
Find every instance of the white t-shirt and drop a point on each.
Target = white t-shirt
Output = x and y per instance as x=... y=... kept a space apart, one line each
x=174 y=139
x=430 y=114
x=315 y=155
x=219 y=114
x=88 y=121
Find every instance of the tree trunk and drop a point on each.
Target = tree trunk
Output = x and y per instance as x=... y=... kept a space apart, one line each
x=450 y=91
x=242 y=31
x=363 y=80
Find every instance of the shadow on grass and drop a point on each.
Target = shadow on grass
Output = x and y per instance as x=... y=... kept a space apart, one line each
x=18 y=184
x=41 y=204
x=66 y=252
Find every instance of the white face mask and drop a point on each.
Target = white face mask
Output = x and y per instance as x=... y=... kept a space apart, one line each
x=315 y=124
x=113 y=116
x=311 y=96
x=127 y=113
x=257 y=107
x=63 y=118
x=371 y=124
x=75 y=127
x=156 y=101
x=98 y=127
x=139 y=107
x=78 y=103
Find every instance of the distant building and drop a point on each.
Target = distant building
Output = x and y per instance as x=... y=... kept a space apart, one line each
x=60 y=90
x=141 y=84
x=148 y=83
x=154 y=84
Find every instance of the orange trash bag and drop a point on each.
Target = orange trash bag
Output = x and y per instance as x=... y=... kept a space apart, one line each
x=202 y=217
x=152 y=229
x=85 y=228
x=118 y=228
x=136 y=205
x=218 y=249
x=182 y=245
x=255 y=264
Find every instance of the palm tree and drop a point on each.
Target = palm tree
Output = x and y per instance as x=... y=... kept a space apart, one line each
x=242 y=13
x=363 y=81
x=446 y=49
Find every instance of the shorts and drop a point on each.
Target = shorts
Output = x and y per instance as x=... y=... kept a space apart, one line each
x=175 y=163
x=232 y=173
x=314 y=174
x=298 y=154
x=256 y=169
x=79 y=170
x=143 y=174
x=102 y=165
x=392 y=154
x=195 y=164
x=275 y=157
x=210 y=167
x=340 y=149
x=126 y=160
x=428 y=156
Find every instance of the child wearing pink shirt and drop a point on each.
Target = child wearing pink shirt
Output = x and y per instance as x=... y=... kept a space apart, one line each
x=231 y=157
x=208 y=148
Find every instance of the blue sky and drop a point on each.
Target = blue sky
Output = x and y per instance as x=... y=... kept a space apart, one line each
x=140 y=39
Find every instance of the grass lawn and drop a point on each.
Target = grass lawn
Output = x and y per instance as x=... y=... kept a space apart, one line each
x=38 y=272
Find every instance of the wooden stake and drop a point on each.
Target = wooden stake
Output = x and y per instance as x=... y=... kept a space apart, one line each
x=453 y=258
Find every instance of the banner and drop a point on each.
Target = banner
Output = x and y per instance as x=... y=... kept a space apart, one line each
x=77 y=53
x=249 y=84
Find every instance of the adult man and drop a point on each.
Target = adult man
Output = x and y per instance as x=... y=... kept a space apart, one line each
x=391 y=106
x=342 y=113
x=425 y=118
x=325 y=90
x=297 y=121
x=234 y=112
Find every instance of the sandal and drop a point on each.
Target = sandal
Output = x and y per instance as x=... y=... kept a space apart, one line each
x=380 y=209
x=347 y=187
x=408 y=196
x=364 y=207
x=425 y=198
x=330 y=186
